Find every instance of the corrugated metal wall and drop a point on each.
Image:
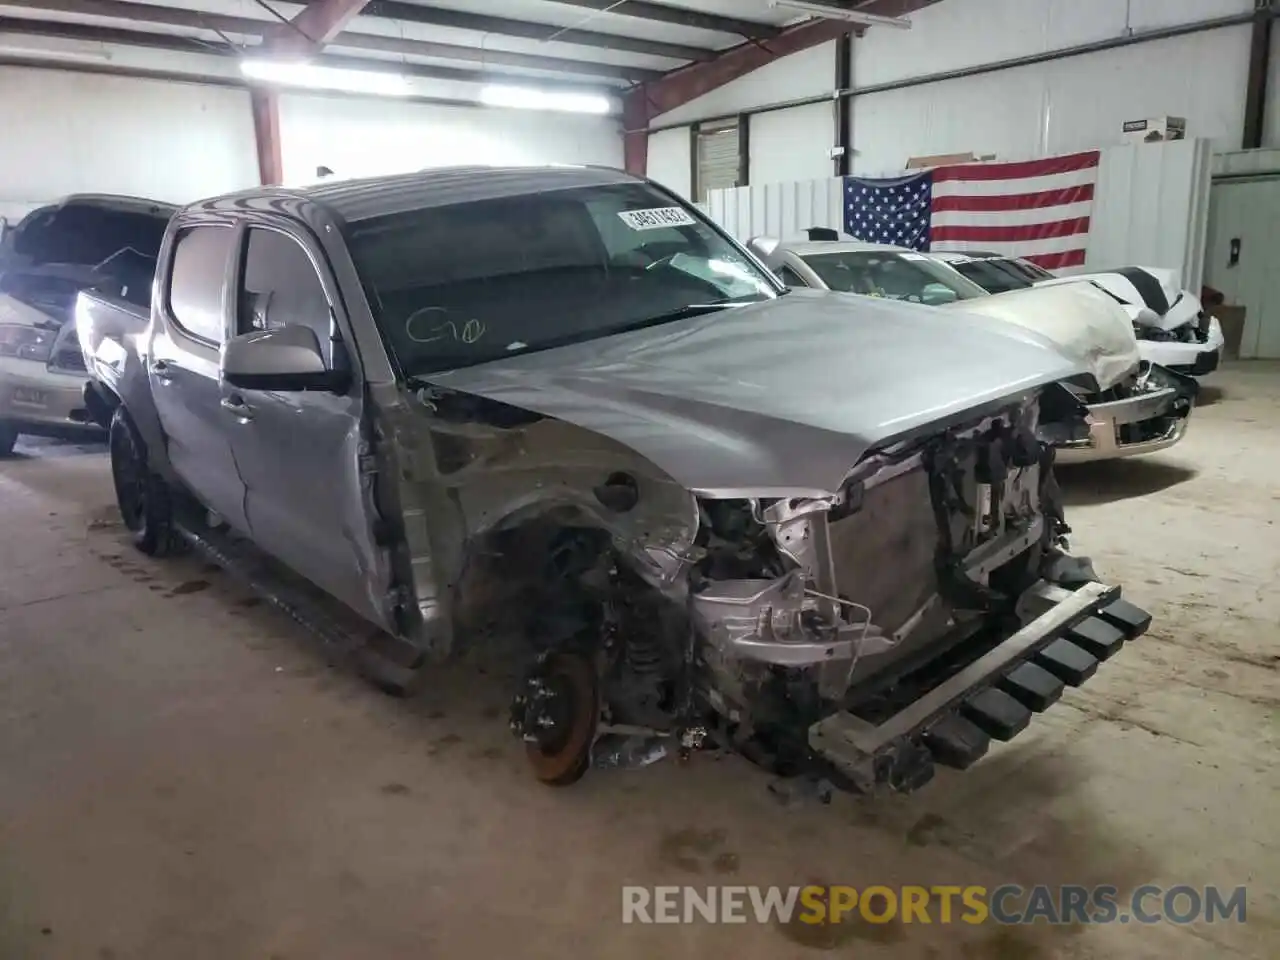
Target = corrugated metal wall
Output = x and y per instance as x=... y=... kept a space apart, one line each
x=1150 y=208
x=1074 y=103
x=952 y=36
x=359 y=137
x=74 y=132
x=1062 y=106
x=1059 y=106
x=782 y=210
x=670 y=161
x=792 y=144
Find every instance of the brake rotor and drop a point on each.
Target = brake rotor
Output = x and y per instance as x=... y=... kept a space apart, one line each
x=563 y=719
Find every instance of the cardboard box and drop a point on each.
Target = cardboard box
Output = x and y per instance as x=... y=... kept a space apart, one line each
x=1155 y=129
x=947 y=159
x=1232 y=320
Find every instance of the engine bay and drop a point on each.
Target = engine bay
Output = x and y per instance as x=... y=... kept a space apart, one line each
x=794 y=609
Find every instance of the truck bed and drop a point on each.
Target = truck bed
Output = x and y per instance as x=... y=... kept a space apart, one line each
x=111 y=332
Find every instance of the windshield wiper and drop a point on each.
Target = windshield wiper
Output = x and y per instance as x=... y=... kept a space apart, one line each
x=690 y=310
x=680 y=313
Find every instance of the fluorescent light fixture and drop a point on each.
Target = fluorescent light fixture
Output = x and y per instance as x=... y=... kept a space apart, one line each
x=293 y=73
x=527 y=98
x=842 y=13
x=20 y=50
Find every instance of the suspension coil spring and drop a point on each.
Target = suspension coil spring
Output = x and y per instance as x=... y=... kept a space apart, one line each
x=643 y=653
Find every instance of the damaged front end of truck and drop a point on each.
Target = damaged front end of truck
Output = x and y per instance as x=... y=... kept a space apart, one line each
x=858 y=633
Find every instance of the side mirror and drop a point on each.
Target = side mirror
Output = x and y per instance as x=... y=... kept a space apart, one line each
x=284 y=359
x=938 y=294
x=766 y=251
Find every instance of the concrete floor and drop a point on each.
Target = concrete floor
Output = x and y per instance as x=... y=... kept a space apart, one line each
x=183 y=776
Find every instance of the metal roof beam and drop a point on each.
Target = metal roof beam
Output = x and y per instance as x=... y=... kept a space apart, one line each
x=147 y=13
x=88 y=33
x=527 y=30
x=316 y=24
x=529 y=61
x=270 y=32
x=91 y=33
x=680 y=16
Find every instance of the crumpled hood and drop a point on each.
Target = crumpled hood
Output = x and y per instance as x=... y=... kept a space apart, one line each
x=1170 y=281
x=1087 y=324
x=14 y=311
x=1184 y=309
x=1154 y=295
x=84 y=274
x=775 y=398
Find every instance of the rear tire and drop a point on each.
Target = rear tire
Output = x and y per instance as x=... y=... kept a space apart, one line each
x=8 y=437
x=144 y=499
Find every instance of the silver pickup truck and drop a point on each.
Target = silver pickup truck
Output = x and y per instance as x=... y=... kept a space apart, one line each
x=711 y=510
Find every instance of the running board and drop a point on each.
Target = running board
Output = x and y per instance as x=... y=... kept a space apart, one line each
x=386 y=661
x=991 y=698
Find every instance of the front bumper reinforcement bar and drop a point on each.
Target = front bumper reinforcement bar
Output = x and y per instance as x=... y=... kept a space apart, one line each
x=991 y=697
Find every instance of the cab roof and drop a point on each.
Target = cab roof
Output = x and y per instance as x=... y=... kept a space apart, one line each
x=365 y=199
x=805 y=248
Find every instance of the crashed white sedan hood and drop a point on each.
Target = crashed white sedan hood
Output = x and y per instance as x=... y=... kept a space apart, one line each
x=1085 y=323
x=14 y=311
x=1154 y=295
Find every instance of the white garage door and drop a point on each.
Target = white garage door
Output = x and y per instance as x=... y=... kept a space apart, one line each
x=1244 y=235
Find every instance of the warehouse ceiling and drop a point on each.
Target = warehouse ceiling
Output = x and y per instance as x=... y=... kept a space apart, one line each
x=590 y=45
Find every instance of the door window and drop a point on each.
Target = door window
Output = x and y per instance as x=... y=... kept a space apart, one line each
x=279 y=286
x=196 y=280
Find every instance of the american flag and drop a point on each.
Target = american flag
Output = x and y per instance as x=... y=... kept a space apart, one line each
x=1037 y=209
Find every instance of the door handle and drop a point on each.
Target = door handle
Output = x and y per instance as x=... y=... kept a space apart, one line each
x=238 y=407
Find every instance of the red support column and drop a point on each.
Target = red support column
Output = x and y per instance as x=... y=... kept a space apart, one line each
x=266 y=131
x=635 y=131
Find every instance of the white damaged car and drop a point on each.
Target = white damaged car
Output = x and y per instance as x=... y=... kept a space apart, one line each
x=84 y=242
x=1172 y=326
x=1135 y=406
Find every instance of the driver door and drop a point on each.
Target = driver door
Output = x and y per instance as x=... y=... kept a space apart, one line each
x=297 y=450
x=183 y=367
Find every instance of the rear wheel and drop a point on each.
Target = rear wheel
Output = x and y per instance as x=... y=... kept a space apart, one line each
x=146 y=506
x=8 y=437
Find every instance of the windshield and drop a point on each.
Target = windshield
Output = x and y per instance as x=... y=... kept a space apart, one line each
x=994 y=276
x=458 y=285
x=898 y=276
x=1030 y=270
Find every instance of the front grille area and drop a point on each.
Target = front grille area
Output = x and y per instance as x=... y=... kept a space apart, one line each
x=884 y=554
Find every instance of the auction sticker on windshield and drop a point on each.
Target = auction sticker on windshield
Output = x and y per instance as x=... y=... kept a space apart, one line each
x=656 y=217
